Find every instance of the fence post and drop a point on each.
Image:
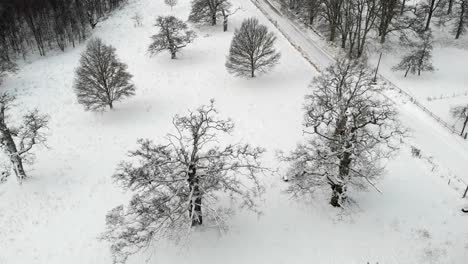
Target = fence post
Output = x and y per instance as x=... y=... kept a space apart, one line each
x=466 y=191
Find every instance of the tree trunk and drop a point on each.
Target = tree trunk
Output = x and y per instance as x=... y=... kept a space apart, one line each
x=407 y=70
x=10 y=147
x=213 y=19
x=173 y=54
x=450 y=5
x=311 y=18
x=332 y=31
x=338 y=194
x=383 y=38
x=195 y=210
x=110 y=105
x=402 y=7
x=343 y=41
x=461 y=20
x=429 y=16
x=464 y=125
x=225 y=24
x=252 y=68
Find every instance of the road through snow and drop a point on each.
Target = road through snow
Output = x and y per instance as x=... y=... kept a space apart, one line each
x=448 y=150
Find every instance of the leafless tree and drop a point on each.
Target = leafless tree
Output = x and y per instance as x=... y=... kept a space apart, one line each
x=171 y=3
x=420 y=57
x=462 y=19
x=252 y=49
x=177 y=185
x=173 y=35
x=461 y=112
x=137 y=20
x=430 y=7
x=207 y=10
x=350 y=128
x=101 y=79
x=332 y=14
x=226 y=12
x=17 y=141
x=311 y=8
x=6 y=66
x=357 y=20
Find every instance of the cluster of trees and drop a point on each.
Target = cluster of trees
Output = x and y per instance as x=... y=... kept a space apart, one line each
x=353 y=22
x=176 y=185
x=419 y=58
x=209 y=11
x=48 y=24
x=252 y=47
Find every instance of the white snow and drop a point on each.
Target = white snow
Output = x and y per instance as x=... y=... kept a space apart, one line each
x=57 y=215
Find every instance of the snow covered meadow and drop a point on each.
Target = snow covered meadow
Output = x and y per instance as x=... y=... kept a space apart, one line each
x=58 y=214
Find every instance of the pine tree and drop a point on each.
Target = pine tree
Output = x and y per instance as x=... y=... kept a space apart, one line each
x=173 y=35
x=252 y=49
x=101 y=79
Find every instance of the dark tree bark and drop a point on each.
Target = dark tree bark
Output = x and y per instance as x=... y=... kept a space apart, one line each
x=49 y=24
x=28 y=134
x=461 y=19
x=432 y=7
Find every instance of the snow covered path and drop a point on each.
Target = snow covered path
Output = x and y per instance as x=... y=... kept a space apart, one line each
x=449 y=150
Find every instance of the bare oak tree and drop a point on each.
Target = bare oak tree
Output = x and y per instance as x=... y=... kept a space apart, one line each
x=177 y=185
x=101 y=79
x=252 y=49
x=350 y=129
x=17 y=141
x=173 y=35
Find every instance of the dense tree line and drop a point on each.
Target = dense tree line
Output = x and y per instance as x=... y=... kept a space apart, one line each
x=352 y=22
x=48 y=24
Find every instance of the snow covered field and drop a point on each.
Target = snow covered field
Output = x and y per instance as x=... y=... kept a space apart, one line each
x=56 y=216
x=442 y=89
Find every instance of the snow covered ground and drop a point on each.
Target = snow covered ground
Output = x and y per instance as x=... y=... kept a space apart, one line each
x=442 y=89
x=56 y=216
